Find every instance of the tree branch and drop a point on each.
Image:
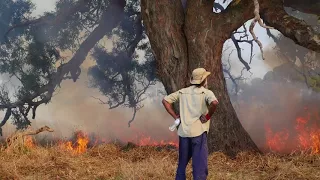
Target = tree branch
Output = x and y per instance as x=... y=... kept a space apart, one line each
x=18 y=136
x=236 y=15
x=110 y=19
x=234 y=40
x=274 y=14
x=138 y=35
x=62 y=16
x=258 y=19
x=24 y=24
x=234 y=80
x=305 y=6
x=5 y=119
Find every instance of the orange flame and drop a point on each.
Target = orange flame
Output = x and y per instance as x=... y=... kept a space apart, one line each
x=307 y=138
x=28 y=142
x=147 y=141
x=276 y=141
x=80 y=146
x=142 y=140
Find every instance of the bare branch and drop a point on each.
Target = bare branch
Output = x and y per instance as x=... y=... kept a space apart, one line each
x=34 y=109
x=101 y=101
x=258 y=19
x=42 y=129
x=269 y=33
x=246 y=65
x=133 y=116
x=234 y=80
x=118 y=103
x=18 y=137
x=5 y=119
x=251 y=46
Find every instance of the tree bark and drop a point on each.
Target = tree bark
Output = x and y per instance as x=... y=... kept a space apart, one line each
x=305 y=6
x=206 y=37
x=164 y=22
x=182 y=42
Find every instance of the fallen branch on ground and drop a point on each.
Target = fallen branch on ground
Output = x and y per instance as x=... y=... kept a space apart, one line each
x=18 y=138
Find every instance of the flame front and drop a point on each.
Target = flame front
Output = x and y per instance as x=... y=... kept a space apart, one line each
x=307 y=138
x=80 y=146
x=147 y=141
x=81 y=143
x=143 y=140
x=276 y=141
x=28 y=142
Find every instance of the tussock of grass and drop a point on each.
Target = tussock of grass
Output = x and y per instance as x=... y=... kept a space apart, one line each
x=114 y=162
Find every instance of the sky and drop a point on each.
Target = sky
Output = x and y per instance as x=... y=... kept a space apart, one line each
x=43 y=6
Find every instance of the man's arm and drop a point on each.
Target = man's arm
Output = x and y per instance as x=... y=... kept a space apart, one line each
x=212 y=108
x=169 y=109
x=213 y=103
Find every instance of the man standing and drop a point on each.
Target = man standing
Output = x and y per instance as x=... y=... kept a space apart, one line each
x=196 y=105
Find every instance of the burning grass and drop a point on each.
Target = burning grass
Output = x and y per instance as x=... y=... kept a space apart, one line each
x=111 y=161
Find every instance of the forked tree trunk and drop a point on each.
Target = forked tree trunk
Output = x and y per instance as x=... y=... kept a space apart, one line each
x=184 y=41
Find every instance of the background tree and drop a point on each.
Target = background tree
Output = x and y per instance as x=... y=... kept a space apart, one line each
x=31 y=48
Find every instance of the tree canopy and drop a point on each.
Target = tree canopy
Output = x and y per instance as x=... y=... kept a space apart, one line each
x=30 y=53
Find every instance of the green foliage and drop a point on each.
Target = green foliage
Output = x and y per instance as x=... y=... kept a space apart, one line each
x=118 y=74
x=30 y=53
x=13 y=12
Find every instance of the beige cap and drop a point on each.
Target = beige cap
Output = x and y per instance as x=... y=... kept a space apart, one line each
x=198 y=75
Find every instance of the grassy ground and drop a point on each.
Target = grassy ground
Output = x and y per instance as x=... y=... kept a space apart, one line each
x=112 y=162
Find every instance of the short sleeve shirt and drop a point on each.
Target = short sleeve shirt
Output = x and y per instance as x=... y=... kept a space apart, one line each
x=193 y=102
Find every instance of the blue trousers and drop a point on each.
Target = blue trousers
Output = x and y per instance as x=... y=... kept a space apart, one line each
x=197 y=149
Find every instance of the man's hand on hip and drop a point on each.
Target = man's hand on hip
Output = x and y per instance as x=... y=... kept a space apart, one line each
x=204 y=118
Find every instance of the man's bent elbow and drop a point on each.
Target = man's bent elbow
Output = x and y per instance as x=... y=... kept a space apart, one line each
x=214 y=105
x=164 y=102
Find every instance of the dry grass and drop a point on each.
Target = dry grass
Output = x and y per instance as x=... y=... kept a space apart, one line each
x=112 y=162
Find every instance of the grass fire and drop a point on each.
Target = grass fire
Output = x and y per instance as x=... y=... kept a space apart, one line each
x=102 y=89
x=89 y=158
x=306 y=135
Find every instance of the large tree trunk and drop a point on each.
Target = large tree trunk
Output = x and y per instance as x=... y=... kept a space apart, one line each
x=182 y=42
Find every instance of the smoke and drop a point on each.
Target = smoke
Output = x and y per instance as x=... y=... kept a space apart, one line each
x=74 y=107
x=276 y=102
